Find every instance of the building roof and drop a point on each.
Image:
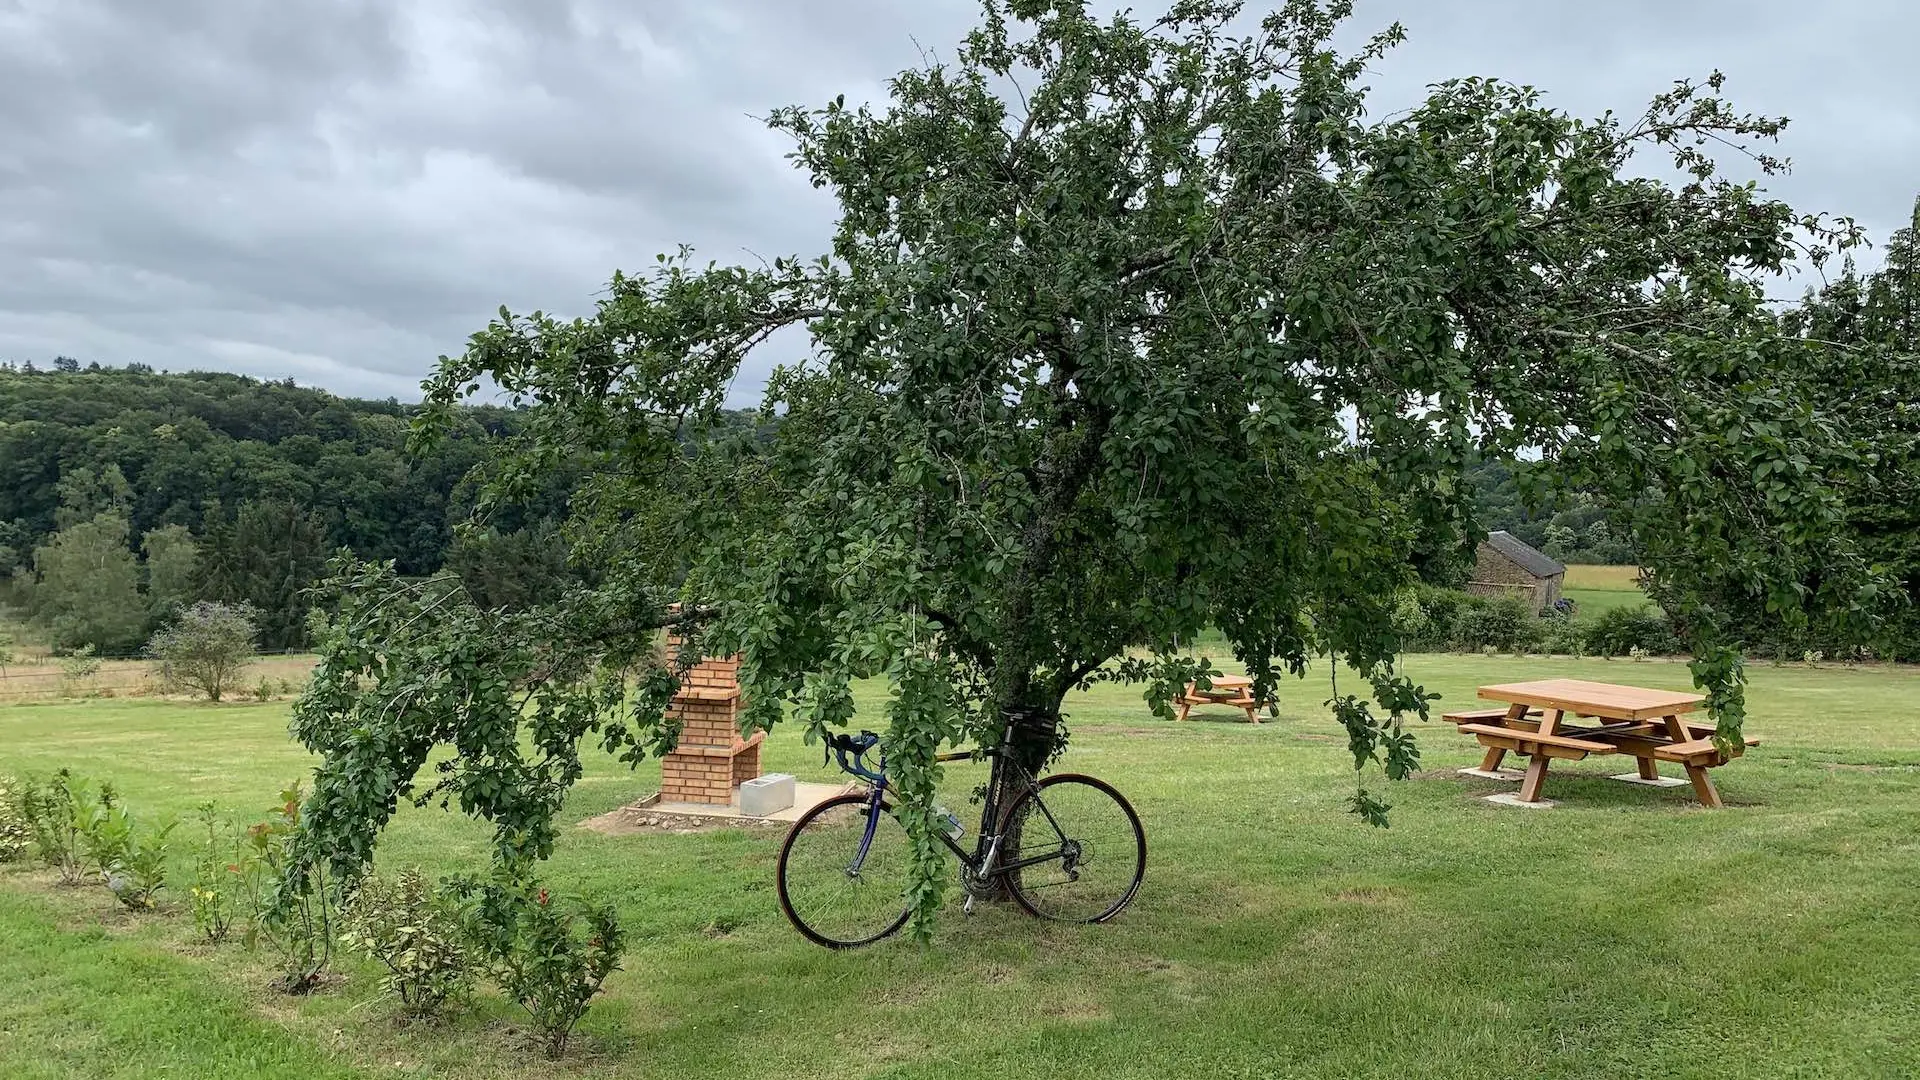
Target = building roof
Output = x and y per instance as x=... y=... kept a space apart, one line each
x=1530 y=558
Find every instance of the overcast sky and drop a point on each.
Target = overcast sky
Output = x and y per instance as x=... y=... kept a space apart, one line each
x=339 y=191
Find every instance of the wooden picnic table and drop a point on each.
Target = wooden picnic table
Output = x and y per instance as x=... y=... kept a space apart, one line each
x=1648 y=724
x=1233 y=690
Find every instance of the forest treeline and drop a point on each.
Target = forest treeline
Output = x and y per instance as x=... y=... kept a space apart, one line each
x=125 y=493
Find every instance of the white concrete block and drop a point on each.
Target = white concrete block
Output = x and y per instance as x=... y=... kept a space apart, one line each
x=766 y=795
x=1515 y=775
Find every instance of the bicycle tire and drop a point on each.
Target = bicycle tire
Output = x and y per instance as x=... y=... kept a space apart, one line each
x=1060 y=891
x=810 y=851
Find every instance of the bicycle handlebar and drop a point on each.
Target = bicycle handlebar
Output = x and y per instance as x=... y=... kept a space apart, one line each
x=841 y=745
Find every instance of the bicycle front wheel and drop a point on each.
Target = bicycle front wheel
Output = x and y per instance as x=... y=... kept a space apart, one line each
x=840 y=884
x=1076 y=849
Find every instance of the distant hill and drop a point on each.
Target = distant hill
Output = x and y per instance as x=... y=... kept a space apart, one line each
x=1570 y=527
x=189 y=443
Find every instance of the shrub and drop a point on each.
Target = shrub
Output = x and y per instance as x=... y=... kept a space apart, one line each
x=1506 y=624
x=1442 y=607
x=106 y=829
x=77 y=671
x=56 y=813
x=216 y=872
x=287 y=899
x=416 y=934
x=1563 y=638
x=1410 y=622
x=1619 y=631
x=206 y=647
x=141 y=872
x=16 y=832
x=548 y=954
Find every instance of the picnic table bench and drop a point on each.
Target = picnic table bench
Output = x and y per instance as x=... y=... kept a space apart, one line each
x=1232 y=690
x=1648 y=725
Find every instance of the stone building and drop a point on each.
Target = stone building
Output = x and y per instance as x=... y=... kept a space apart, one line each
x=1505 y=565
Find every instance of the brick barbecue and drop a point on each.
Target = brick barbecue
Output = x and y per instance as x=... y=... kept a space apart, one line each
x=712 y=759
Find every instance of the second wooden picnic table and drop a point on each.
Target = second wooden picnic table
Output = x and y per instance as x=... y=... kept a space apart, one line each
x=1234 y=690
x=1648 y=724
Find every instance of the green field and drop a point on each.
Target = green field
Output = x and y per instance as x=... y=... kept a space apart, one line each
x=1602 y=588
x=1626 y=933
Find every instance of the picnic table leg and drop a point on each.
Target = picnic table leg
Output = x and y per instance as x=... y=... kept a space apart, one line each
x=1703 y=787
x=1252 y=718
x=1536 y=776
x=1490 y=761
x=1648 y=771
x=1537 y=765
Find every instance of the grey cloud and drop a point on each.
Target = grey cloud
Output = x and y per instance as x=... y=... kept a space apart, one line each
x=339 y=191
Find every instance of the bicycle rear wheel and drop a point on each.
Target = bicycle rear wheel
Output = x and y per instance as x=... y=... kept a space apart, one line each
x=1090 y=851
x=831 y=892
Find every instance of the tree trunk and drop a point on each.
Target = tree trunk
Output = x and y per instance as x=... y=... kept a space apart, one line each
x=1032 y=731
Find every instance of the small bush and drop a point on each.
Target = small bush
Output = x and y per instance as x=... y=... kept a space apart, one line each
x=56 y=813
x=16 y=830
x=106 y=829
x=286 y=903
x=416 y=934
x=1620 y=631
x=206 y=647
x=216 y=878
x=77 y=671
x=550 y=955
x=137 y=878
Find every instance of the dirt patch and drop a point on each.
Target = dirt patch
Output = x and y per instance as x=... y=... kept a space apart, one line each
x=640 y=817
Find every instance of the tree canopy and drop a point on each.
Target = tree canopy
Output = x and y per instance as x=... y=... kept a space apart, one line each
x=1127 y=328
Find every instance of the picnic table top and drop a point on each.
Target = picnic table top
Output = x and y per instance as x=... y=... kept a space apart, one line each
x=1596 y=698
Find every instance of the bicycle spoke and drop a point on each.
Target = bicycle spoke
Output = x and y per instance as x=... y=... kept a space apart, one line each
x=1082 y=848
x=824 y=896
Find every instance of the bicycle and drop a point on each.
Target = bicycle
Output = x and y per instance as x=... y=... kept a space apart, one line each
x=1069 y=848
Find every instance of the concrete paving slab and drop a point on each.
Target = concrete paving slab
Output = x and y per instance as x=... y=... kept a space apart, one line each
x=805 y=797
x=1509 y=798
x=1660 y=781
x=1496 y=774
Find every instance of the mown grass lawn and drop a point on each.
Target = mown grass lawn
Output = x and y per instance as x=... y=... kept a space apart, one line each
x=1626 y=933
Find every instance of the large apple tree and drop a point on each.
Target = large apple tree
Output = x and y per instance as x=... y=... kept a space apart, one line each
x=1127 y=329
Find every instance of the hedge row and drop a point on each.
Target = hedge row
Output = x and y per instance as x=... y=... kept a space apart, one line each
x=1430 y=619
